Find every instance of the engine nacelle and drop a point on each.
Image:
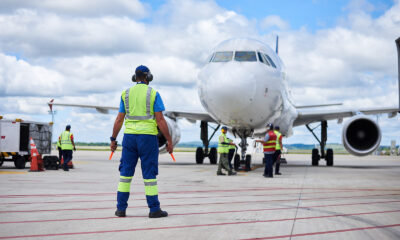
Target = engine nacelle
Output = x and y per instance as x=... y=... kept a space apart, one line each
x=361 y=135
x=174 y=131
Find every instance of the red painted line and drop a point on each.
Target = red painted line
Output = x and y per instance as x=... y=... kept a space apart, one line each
x=220 y=224
x=199 y=213
x=200 y=204
x=327 y=232
x=162 y=198
x=195 y=191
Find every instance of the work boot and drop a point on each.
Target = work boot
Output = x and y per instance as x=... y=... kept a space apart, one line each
x=278 y=173
x=159 y=214
x=65 y=168
x=230 y=173
x=120 y=213
x=219 y=173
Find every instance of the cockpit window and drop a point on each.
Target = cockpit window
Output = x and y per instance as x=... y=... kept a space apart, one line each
x=242 y=56
x=270 y=60
x=262 y=59
x=222 y=57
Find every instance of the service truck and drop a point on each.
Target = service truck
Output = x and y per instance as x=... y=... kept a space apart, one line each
x=14 y=140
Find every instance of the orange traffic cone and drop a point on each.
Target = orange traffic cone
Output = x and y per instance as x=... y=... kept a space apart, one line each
x=37 y=161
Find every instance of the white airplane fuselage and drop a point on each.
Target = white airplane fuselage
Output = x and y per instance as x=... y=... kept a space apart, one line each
x=246 y=92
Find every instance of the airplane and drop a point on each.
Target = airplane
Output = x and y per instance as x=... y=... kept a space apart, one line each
x=244 y=86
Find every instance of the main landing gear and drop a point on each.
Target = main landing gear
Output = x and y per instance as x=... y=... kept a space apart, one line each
x=200 y=153
x=315 y=156
x=242 y=162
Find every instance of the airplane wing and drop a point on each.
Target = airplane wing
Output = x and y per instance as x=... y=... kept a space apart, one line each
x=190 y=116
x=100 y=109
x=306 y=117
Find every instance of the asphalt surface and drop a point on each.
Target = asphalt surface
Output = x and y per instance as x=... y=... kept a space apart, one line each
x=358 y=198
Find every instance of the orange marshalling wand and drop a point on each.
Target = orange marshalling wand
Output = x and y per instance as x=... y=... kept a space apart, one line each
x=173 y=158
x=111 y=155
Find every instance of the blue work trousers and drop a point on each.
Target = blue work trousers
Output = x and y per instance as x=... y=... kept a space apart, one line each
x=67 y=155
x=269 y=160
x=145 y=147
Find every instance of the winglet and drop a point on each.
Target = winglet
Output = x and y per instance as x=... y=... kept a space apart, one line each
x=398 y=65
x=277 y=45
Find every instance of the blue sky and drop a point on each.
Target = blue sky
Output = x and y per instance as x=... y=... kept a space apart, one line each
x=85 y=51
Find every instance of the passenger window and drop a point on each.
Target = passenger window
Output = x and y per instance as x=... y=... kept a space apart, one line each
x=270 y=60
x=262 y=59
x=242 y=56
x=222 y=57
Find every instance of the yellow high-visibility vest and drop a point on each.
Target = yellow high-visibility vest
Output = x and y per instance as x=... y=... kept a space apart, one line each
x=139 y=110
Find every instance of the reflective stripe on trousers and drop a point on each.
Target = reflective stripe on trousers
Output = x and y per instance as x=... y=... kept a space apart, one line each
x=124 y=184
x=150 y=187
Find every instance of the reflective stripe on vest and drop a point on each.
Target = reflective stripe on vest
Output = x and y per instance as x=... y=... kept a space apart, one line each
x=150 y=187
x=278 y=138
x=66 y=143
x=139 y=112
x=223 y=148
x=271 y=143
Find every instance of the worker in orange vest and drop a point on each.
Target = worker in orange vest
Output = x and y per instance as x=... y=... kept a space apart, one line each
x=269 y=146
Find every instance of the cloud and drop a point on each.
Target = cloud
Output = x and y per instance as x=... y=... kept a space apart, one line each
x=273 y=21
x=131 y=8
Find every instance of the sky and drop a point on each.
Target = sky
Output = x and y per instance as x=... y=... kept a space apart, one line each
x=85 y=52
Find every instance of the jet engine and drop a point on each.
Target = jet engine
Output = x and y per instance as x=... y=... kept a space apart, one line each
x=174 y=131
x=361 y=135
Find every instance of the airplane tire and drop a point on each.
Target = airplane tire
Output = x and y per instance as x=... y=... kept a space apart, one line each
x=329 y=157
x=236 y=162
x=315 y=157
x=199 y=155
x=213 y=156
x=248 y=162
x=1 y=162
x=19 y=162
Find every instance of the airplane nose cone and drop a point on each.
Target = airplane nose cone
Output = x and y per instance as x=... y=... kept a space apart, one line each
x=227 y=92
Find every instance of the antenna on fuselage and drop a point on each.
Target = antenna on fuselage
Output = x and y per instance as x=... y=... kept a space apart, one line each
x=277 y=44
x=398 y=66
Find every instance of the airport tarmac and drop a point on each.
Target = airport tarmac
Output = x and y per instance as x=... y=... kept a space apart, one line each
x=358 y=198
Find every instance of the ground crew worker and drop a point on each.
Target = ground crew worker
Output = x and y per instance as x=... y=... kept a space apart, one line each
x=231 y=152
x=277 y=154
x=141 y=106
x=67 y=145
x=269 y=145
x=59 y=148
x=223 y=150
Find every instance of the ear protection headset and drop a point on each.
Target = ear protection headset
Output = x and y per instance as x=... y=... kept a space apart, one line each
x=149 y=76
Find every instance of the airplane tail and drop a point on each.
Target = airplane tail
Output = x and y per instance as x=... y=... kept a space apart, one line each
x=277 y=44
x=398 y=65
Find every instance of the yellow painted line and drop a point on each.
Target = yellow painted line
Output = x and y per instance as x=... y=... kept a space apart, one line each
x=11 y=172
x=5 y=154
x=13 y=153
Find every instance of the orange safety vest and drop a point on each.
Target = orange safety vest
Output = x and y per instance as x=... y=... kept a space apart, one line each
x=271 y=144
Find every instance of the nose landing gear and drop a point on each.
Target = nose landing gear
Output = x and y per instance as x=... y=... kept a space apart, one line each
x=243 y=162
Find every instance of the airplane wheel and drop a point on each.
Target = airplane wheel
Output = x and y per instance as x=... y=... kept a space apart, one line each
x=315 y=157
x=199 y=155
x=248 y=162
x=329 y=157
x=213 y=156
x=19 y=162
x=236 y=162
x=1 y=162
